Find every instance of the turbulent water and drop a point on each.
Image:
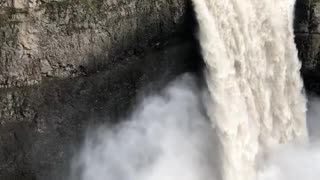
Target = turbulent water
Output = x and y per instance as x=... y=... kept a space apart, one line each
x=168 y=137
x=253 y=78
x=249 y=125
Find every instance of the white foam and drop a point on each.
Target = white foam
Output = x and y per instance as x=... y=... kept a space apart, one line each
x=253 y=78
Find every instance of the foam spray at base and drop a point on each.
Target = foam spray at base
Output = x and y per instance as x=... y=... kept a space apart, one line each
x=251 y=125
x=253 y=78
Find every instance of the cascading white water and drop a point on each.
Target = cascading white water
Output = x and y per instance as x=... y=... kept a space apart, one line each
x=253 y=79
x=256 y=103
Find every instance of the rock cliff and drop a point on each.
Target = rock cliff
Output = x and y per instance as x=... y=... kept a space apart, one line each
x=42 y=39
x=66 y=64
x=307 y=30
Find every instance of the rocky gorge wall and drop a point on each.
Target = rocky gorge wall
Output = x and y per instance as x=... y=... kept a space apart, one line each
x=307 y=31
x=68 y=38
x=66 y=64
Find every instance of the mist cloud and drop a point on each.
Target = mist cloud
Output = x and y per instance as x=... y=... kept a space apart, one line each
x=168 y=137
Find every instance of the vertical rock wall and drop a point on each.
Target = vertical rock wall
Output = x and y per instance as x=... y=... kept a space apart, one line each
x=65 y=64
x=68 y=38
x=307 y=30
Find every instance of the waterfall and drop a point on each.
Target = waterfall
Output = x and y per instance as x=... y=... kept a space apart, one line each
x=255 y=106
x=252 y=73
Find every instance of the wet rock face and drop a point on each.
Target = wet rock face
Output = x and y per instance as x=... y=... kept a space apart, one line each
x=307 y=30
x=66 y=64
x=41 y=126
x=69 y=38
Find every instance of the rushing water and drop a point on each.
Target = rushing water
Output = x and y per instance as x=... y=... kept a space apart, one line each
x=253 y=78
x=253 y=125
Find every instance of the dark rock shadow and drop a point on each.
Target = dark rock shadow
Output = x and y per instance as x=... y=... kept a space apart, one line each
x=306 y=42
x=42 y=126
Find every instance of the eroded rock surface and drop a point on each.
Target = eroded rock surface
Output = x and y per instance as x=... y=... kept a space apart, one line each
x=69 y=38
x=68 y=64
x=41 y=126
x=65 y=64
x=307 y=30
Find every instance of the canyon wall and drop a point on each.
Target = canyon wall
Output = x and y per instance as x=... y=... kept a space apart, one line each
x=307 y=30
x=70 y=38
x=66 y=64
